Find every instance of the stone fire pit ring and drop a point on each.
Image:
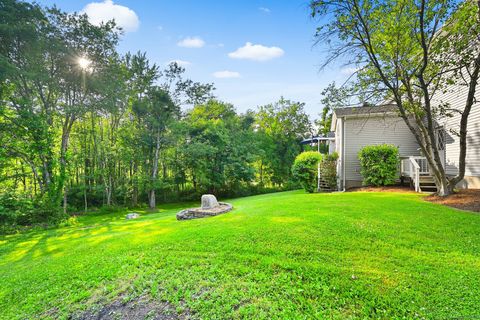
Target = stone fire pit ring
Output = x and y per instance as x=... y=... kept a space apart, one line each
x=210 y=207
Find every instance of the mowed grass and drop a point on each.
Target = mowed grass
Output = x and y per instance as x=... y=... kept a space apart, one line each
x=287 y=255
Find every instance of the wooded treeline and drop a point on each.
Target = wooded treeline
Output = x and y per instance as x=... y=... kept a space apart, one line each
x=83 y=126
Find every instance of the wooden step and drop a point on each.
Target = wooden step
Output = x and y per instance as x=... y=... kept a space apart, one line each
x=427 y=183
x=325 y=187
x=428 y=186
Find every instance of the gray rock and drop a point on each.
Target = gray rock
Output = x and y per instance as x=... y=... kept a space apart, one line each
x=132 y=215
x=209 y=201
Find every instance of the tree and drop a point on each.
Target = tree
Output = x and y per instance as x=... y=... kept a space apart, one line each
x=219 y=149
x=154 y=110
x=48 y=87
x=20 y=25
x=284 y=124
x=408 y=52
x=185 y=91
x=142 y=77
x=333 y=97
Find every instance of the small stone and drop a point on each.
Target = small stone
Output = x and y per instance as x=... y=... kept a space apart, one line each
x=209 y=201
x=132 y=215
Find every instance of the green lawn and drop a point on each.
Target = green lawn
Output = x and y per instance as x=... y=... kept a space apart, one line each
x=287 y=255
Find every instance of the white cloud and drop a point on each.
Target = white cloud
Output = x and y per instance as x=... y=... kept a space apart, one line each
x=226 y=74
x=124 y=17
x=264 y=9
x=181 y=63
x=256 y=52
x=191 y=42
x=349 y=70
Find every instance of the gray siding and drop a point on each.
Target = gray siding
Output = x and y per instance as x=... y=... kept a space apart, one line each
x=338 y=147
x=456 y=99
x=373 y=130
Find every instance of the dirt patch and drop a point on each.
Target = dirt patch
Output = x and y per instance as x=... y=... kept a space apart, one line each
x=465 y=199
x=140 y=308
x=402 y=189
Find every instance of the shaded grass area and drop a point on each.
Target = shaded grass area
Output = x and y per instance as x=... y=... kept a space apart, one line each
x=284 y=255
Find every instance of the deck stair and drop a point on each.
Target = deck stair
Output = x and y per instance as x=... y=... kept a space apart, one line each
x=427 y=184
x=416 y=169
x=325 y=187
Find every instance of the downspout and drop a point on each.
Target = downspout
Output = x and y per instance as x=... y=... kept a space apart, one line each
x=343 y=154
x=318 y=169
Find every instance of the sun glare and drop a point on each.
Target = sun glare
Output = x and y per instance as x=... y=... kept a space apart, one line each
x=84 y=63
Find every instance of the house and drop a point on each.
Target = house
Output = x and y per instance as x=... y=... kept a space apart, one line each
x=356 y=127
x=456 y=100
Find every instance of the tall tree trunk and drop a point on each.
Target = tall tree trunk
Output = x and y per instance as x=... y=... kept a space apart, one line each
x=65 y=200
x=261 y=173
x=62 y=186
x=151 y=200
x=109 y=187
x=85 y=199
x=134 y=184
x=86 y=180
x=24 y=177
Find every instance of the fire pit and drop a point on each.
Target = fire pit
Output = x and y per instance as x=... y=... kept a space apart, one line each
x=210 y=207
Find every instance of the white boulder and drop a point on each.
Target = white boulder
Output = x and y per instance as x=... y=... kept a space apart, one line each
x=132 y=215
x=209 y=201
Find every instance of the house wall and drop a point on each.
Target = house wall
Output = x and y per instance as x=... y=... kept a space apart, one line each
x=331 y=147
x=456 y=99
x=374 y=130
x=338 y=148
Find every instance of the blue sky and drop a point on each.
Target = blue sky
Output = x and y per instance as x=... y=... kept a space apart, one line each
x=207 y=35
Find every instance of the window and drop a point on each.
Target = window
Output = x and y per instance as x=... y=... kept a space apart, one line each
x=441 y=139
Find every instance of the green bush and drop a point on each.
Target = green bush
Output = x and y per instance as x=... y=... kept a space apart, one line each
x=379 y=164
x=19 y=210
x=14 y=209
x=305 y=168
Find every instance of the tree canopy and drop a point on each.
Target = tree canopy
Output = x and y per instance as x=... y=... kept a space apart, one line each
x=84 y=126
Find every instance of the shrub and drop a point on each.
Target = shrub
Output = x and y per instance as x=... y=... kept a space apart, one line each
x=70 y=222
x=305 y=168
x=18 y=211
x=328 y=170
x=379 y=164
x=14 y=208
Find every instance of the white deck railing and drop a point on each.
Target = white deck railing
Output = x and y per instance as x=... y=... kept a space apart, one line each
x=414 y=167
